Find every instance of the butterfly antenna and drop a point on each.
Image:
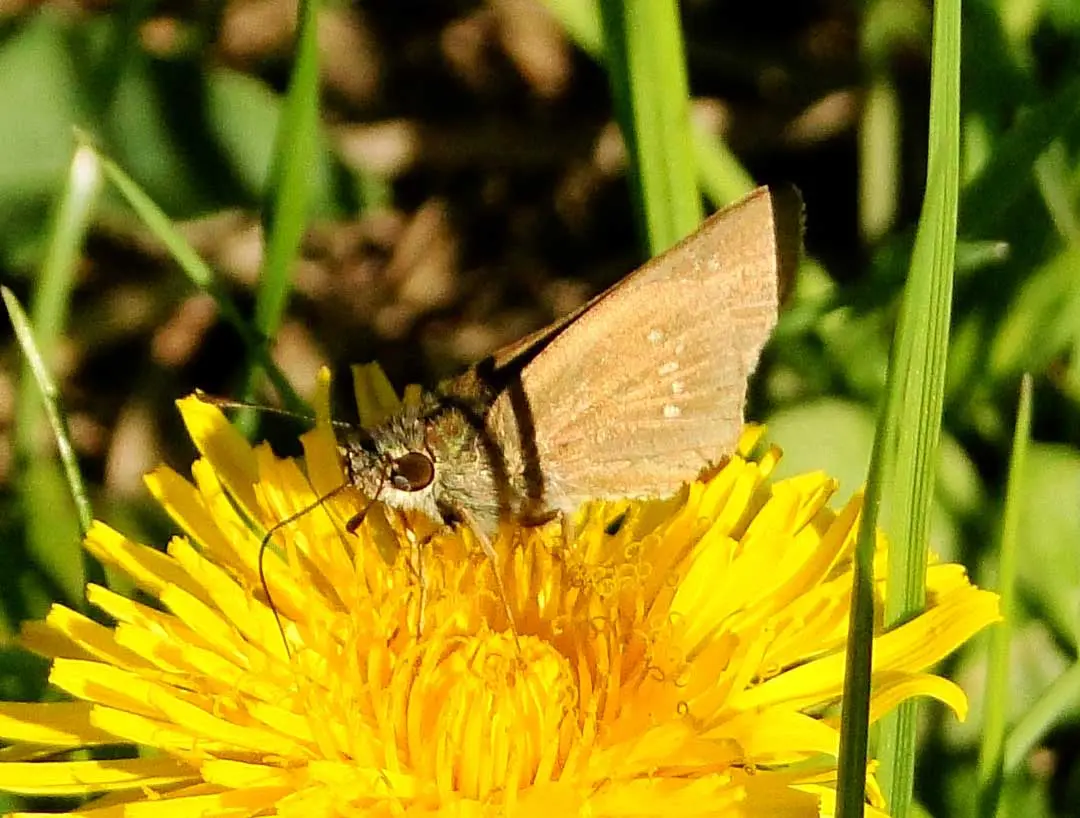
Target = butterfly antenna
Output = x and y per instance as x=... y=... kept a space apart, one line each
x=230 y=403
x=274 y=529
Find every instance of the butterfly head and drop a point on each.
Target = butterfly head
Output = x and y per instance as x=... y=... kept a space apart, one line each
x=392 y=463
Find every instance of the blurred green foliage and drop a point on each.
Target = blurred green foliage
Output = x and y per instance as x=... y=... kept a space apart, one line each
x=464 y=190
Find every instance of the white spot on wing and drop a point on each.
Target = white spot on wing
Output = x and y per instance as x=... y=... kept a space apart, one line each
x=655 y=336
x=670 y=368
x=672 y=411
x=677 y=387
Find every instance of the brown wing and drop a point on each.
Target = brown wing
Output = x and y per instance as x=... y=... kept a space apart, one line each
x=646 y=385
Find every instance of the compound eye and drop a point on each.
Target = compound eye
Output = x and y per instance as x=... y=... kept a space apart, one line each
x=412 y=472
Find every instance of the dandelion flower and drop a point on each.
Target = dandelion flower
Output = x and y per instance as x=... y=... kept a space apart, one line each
x=687 y=660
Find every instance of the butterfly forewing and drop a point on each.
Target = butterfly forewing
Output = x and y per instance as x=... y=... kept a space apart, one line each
x=646 y=385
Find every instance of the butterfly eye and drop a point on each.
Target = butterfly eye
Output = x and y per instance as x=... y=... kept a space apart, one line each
x=412 y=472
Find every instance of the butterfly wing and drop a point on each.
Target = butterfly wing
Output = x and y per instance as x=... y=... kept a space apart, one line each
x=645 y=386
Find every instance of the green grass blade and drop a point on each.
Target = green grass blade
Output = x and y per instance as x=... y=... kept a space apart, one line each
x=286 y=212
x=581 y=19
x=1052 y=171
x=50 y=398
x=52 y=297
x=62 y=555
x=202 y=277
x=917 y=380
x=992 y=747
x=1055 y=706
x=1007 y=172
x=721 y=175
x=647 y=73
x=855 y=704
x=52 y=532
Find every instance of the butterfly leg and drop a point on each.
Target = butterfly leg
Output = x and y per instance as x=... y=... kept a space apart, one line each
x=414 y=562
x=421 y=577
x=489 y=551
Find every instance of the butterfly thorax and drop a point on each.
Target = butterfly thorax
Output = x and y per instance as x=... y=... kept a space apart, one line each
x=438 y=456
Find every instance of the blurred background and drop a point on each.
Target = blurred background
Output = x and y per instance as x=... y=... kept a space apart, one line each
x=470 y=186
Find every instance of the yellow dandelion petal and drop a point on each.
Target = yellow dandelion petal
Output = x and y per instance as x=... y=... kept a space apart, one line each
x=54 y=724
x=678 y=656
x=914 y=646
x=87 y=777
x=778 y=735
x=144 y=731
x=223 y=447
x=890 y=689
x=68 y=634
x=375 y=396
x=150 y=569
x=188 y=508
x=93 y=640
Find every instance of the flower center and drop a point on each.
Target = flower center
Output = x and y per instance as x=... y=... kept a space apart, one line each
x=482 y=715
